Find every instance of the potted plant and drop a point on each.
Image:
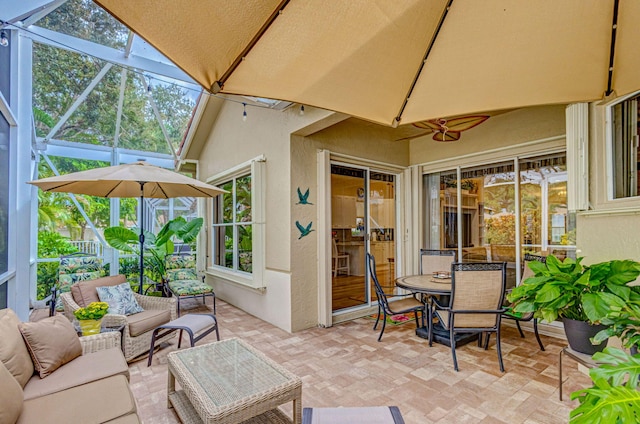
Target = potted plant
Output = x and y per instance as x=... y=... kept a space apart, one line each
x=157 y=246
x=470 y=185
x=575 y=293
x=621 y=314
x=90 y=317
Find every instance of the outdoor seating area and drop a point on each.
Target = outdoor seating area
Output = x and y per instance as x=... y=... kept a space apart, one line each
x=297 y=214
x=345 y=366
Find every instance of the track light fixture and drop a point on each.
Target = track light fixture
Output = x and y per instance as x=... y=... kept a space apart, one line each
x=244 y=112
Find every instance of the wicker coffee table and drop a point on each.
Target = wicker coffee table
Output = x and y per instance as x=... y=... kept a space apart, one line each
x=230 y=382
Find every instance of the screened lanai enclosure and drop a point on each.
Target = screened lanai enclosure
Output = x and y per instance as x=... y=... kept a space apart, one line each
x=100 y=96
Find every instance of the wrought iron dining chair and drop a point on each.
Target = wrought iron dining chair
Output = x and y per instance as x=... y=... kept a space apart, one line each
x=433 y=260
x=476 y=303
x=407 y=303
x=526 y=317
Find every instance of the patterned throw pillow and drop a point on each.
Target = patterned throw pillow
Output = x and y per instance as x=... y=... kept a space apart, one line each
x=120 y=299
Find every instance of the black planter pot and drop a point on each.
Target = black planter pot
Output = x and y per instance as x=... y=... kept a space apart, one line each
x=578 y=335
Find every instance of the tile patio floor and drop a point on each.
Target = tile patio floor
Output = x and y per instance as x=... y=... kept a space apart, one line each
x=346 y=366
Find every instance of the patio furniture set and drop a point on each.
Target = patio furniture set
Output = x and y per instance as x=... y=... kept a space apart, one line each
x=224 y=382
x=466 y=300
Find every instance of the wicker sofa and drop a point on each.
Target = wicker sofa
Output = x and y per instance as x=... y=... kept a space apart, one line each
x=138 y=328
x=91 y=387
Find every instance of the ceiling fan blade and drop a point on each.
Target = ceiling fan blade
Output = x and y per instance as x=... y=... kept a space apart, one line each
x=447 y=136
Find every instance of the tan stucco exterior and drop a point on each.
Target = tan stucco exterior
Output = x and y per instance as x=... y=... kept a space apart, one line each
x=290 y=144
x=611 y=228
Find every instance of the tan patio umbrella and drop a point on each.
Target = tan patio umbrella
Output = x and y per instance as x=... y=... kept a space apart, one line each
x=138 y=179
x=398 y=61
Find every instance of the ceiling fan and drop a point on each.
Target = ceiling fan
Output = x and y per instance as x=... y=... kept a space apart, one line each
x=450 y=129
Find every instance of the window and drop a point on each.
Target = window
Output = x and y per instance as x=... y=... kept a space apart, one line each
x=625 y=160
x=483 y=202
x=232 y=226
x=236 y=240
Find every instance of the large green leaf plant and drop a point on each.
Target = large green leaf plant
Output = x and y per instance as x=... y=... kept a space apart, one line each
x=569 y=289
x=614 y=397
x=157 y=246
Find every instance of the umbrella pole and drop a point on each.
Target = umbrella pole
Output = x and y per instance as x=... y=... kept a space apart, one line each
x=141 y=236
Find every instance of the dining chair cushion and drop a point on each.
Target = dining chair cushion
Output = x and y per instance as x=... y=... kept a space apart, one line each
x=84 y=292
x=52 y=342
x=407 y=303
x=13 y=352
x=12 y=397
x=120 y=299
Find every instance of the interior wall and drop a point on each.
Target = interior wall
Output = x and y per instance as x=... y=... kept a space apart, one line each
x=353 y=138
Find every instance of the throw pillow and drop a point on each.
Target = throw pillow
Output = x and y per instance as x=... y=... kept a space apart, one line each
x=84 y=292
x=52 y=342
x=12 y=396
x=13 y=352
x=120 y=299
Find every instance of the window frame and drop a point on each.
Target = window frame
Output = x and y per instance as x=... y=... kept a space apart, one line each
x=610 y=150
x=255 y=168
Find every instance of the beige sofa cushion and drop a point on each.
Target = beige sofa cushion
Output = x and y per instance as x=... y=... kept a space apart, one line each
x=96 y=402
x=84 y=292
x=52 y=342
x=82 y=370
x=13 y=352
x=147 y=320
x=11 y=398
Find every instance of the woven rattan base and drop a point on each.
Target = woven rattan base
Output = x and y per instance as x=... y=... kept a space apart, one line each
x=188 y=415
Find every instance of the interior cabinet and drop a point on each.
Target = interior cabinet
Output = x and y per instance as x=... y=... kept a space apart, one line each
x=343 y=211
x=383 y=212
x=471 y=220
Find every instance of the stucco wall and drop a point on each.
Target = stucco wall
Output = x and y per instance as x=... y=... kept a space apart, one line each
x=351 y=137
x=231 y=142
x=611 y=228
x=505 y=129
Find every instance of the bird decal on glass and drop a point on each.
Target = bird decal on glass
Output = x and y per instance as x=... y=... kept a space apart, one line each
x=450 y=129
x=304 y=231
x=303 y=198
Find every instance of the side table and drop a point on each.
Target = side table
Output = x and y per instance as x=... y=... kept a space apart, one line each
x=581 y=358
x=104 y=329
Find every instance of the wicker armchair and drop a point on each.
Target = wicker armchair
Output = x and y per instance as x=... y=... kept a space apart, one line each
x=138 y=328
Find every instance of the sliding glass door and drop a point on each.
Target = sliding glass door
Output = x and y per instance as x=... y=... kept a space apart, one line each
x=479 y=211
x=363 y=218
